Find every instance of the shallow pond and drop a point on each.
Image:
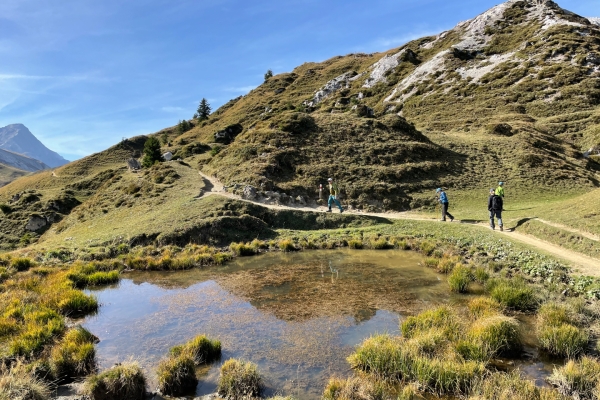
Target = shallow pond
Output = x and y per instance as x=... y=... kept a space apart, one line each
x=297 y=315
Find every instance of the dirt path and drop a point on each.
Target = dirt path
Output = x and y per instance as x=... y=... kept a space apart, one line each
x=588 y=235
x=581 y=263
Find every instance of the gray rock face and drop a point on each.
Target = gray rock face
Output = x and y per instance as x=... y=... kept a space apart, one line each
x=168 y=156
x=300 y=200
x=342 y=81
x=35 y=223
x=249 y=193
x=18 y=139
x=133 y=164
x=593 y=58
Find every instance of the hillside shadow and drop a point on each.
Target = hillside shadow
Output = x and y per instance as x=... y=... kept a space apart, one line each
x=521 y=222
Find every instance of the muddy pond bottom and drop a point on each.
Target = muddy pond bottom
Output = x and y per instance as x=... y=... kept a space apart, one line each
x=296 y=315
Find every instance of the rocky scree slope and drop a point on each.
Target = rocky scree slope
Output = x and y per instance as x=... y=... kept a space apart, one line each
x=511 y=95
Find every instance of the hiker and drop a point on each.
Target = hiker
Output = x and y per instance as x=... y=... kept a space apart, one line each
x=495 y=208
x=443 y=199
x=500 y=190
x=334 y=192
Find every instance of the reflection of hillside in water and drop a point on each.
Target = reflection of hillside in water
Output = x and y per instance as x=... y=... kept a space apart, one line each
x=300 y=292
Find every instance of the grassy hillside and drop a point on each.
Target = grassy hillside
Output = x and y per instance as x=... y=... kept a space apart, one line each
x=9 y=174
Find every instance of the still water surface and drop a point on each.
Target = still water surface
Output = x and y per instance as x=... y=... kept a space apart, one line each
x=297 y=315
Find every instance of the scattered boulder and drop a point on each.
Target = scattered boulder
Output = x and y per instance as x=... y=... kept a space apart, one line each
x=501 y=130
x=593 y=58
x=301 y=200
x=340 y=82
x=133 y=164
x=229 y=133
x=15 y=198
x=168 y=156
x=35 y=223
x=280 y=90
x=410 y=56
x=249 y=193
x=363 y=111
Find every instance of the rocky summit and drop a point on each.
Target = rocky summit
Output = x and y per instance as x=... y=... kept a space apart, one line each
x=18 y=139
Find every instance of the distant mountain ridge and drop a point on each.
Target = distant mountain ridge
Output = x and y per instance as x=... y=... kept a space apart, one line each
x=18 y=139
x=21 y=162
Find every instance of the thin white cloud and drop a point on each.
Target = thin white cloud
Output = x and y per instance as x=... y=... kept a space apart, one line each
x=240 y=89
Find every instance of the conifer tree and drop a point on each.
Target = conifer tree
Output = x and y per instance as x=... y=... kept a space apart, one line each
x=152 y=153
x=268 y=75
x=203 y=110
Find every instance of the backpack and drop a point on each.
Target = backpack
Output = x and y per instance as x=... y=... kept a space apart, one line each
x=497 y=203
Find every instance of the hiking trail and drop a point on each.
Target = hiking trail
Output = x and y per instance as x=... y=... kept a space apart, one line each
x=581 y=264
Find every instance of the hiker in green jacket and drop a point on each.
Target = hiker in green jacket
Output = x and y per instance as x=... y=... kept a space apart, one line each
x=334 y=192
x=500 y=190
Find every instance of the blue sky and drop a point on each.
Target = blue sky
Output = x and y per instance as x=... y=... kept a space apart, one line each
x=83 y=74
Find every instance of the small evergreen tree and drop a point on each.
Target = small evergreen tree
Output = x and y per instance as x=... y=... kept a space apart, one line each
x=268 y=75
x=183 y=126
x=152 y=153
x=203 y=110
x=164 y=138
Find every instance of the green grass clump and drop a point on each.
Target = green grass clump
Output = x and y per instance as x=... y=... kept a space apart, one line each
x=177 y=375
x=242 y=249
x=379 y=243
x=75 y=303
x=514 y=294
x=432 y=262
x=88 y=275
x=221 y=258
x=125 y=381
x=75 y=355
x=355 y=244
x=17 y=383
x=442 y=318
x=34 y=337
x=354 y=387
x=579 y=379
x=389 y=358
x=239 y=379
x=201 y=349
x=564 y=340
x=490 y=337
x=505 y=386
x=286 y=245
x=21 y=264
x=484 y=307
x=460 y=278
x=447 y=264
x=427 y=248
x=557 y=332
x=481 y=275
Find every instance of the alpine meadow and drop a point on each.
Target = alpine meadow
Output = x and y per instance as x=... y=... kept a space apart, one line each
x=255 y=290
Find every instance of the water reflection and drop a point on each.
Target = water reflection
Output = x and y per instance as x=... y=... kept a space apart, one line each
x=298 y=316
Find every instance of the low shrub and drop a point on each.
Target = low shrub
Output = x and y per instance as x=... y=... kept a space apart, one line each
x=17 y=383
x=239 y=379
x=579 y=379
x=514 y=294
x=459 y=279
x=21 y=264
x=5 y=208
x=124 y=381
x=177 y=375
x=75 y=355
x=201 y=349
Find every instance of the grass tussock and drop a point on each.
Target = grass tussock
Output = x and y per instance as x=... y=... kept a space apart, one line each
x=491 y=336
x=505 y=386
x=201 y=349
x=75 y=355
x=460 y=278
x=353 y=388
x=513 y=294
x=84 y=275
x=579 y=379
x=483 y=307
x=124 y=381
x=18 y=383
x=286 y=245
x=177 y=375
x=243 y=249
x=239 y=379
x=21 y=264
x=356 y=244
x=557 y=331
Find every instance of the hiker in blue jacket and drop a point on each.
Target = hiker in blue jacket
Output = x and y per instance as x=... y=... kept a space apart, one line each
x=443 y=199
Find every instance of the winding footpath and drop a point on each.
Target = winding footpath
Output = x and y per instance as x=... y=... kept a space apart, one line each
x=581 y=264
